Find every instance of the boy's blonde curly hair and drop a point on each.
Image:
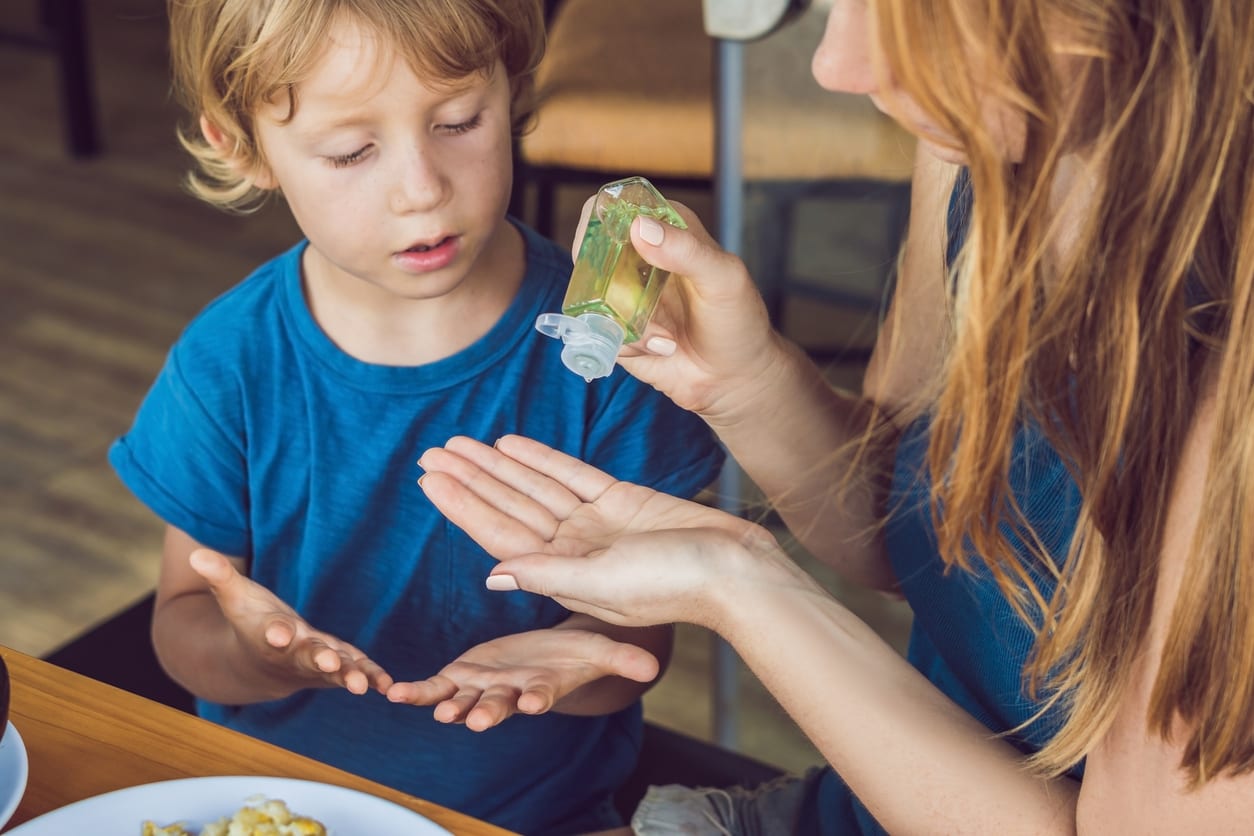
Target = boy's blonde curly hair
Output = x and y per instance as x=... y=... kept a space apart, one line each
x=229 y=57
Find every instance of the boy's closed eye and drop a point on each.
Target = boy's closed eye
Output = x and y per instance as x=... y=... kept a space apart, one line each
x=463 y=127
x=344 y=160
x=457 y=129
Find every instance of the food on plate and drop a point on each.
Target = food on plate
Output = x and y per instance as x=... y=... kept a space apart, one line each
x=269 y=817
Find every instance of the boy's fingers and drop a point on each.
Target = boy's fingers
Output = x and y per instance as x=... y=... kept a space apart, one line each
x=494 y=706
x=356 y=682
x=279 y=634
x=377 y=677
x=429 y=691
x=457 y=706
x=326 y=660
x=632 y=662
x=213 y=567
x=537 y=698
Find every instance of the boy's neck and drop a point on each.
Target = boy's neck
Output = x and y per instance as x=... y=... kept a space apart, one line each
x=376 y=326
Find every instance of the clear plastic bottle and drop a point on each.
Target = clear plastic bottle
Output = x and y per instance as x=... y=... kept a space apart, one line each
x=613 y=291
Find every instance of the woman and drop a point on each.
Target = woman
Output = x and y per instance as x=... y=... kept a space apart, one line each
x=1051 y=457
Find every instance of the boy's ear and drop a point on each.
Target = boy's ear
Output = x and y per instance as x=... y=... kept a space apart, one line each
x=257 y=174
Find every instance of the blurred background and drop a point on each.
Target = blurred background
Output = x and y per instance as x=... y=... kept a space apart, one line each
x=104 y=258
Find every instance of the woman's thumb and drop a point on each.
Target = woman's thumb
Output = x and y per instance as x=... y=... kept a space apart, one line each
x=684 y=252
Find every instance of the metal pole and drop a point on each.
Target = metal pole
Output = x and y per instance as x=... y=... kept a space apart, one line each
x=729 y=208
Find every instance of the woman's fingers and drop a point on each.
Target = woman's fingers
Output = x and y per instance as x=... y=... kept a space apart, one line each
x=583 y=480
x=574 y=582
x=524 y=493
x=481 y=486
x=548 y=489
x=690 y=253
x=498 y=533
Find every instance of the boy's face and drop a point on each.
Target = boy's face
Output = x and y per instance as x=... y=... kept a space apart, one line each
x=398 y=183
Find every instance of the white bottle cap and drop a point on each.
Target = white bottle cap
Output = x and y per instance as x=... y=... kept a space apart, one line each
x=590 y=341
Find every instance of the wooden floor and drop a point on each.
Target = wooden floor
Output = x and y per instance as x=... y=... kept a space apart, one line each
x=102 y=262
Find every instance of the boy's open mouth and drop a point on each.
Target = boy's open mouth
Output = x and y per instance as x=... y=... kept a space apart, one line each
x=422 y=248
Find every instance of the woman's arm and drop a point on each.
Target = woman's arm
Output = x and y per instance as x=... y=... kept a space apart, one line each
x=628 y=555
x=795 y=435
x=792 y=432
x=918 y=761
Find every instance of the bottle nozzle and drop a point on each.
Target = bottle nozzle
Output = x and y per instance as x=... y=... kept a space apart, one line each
x=590 y=341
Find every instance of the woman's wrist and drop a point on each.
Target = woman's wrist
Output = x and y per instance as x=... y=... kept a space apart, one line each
x=753 y=565
x=756 y=392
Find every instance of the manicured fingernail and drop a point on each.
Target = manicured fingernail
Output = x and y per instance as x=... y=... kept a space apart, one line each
x=660 y=345
x=501 y=583
x=420 y=478
x=651 y=231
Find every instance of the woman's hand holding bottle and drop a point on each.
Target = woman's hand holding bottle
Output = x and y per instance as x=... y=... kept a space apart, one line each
x=710 y=345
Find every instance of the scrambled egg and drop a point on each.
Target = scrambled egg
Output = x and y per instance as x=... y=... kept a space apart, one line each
x=264 y=818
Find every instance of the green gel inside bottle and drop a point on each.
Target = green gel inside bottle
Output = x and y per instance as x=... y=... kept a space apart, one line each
x=613 y=291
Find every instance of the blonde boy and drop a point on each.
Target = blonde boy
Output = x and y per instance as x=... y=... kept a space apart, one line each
x=303 y=569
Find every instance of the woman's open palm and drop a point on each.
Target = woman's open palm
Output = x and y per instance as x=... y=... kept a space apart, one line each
x=617 y=551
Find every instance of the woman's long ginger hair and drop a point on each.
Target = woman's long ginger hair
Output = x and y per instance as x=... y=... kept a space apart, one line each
x=1104 y=346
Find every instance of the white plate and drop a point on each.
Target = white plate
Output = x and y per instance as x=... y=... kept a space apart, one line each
x=13 y=771
x=199 y=801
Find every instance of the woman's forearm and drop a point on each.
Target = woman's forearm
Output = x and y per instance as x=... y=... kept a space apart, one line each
x=797 y=438
x=918 y=761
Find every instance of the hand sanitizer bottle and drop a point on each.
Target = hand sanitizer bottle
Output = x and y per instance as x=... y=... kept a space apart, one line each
x=612 y=291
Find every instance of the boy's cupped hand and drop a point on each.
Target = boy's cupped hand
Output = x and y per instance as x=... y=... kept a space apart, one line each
x=526 y=673
x=279 y=638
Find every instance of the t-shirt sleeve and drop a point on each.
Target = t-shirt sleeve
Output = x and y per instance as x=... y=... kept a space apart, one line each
x=184 y=458
x=640 y=436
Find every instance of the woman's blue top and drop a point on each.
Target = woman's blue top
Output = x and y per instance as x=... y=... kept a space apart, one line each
x=965 y=638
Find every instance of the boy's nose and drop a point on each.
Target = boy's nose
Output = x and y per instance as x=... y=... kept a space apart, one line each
x=842 y=62
x=418 y=183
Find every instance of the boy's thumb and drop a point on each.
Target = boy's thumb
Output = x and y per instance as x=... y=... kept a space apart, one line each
x=211 y=566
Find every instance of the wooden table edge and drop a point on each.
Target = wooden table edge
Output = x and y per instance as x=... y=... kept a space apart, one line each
x=60 y=713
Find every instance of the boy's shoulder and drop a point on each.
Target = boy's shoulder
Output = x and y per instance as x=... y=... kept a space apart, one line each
x=237 y=318
x=235 y=337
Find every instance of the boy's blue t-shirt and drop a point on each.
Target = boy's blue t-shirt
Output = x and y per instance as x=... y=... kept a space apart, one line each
x=263 y=440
